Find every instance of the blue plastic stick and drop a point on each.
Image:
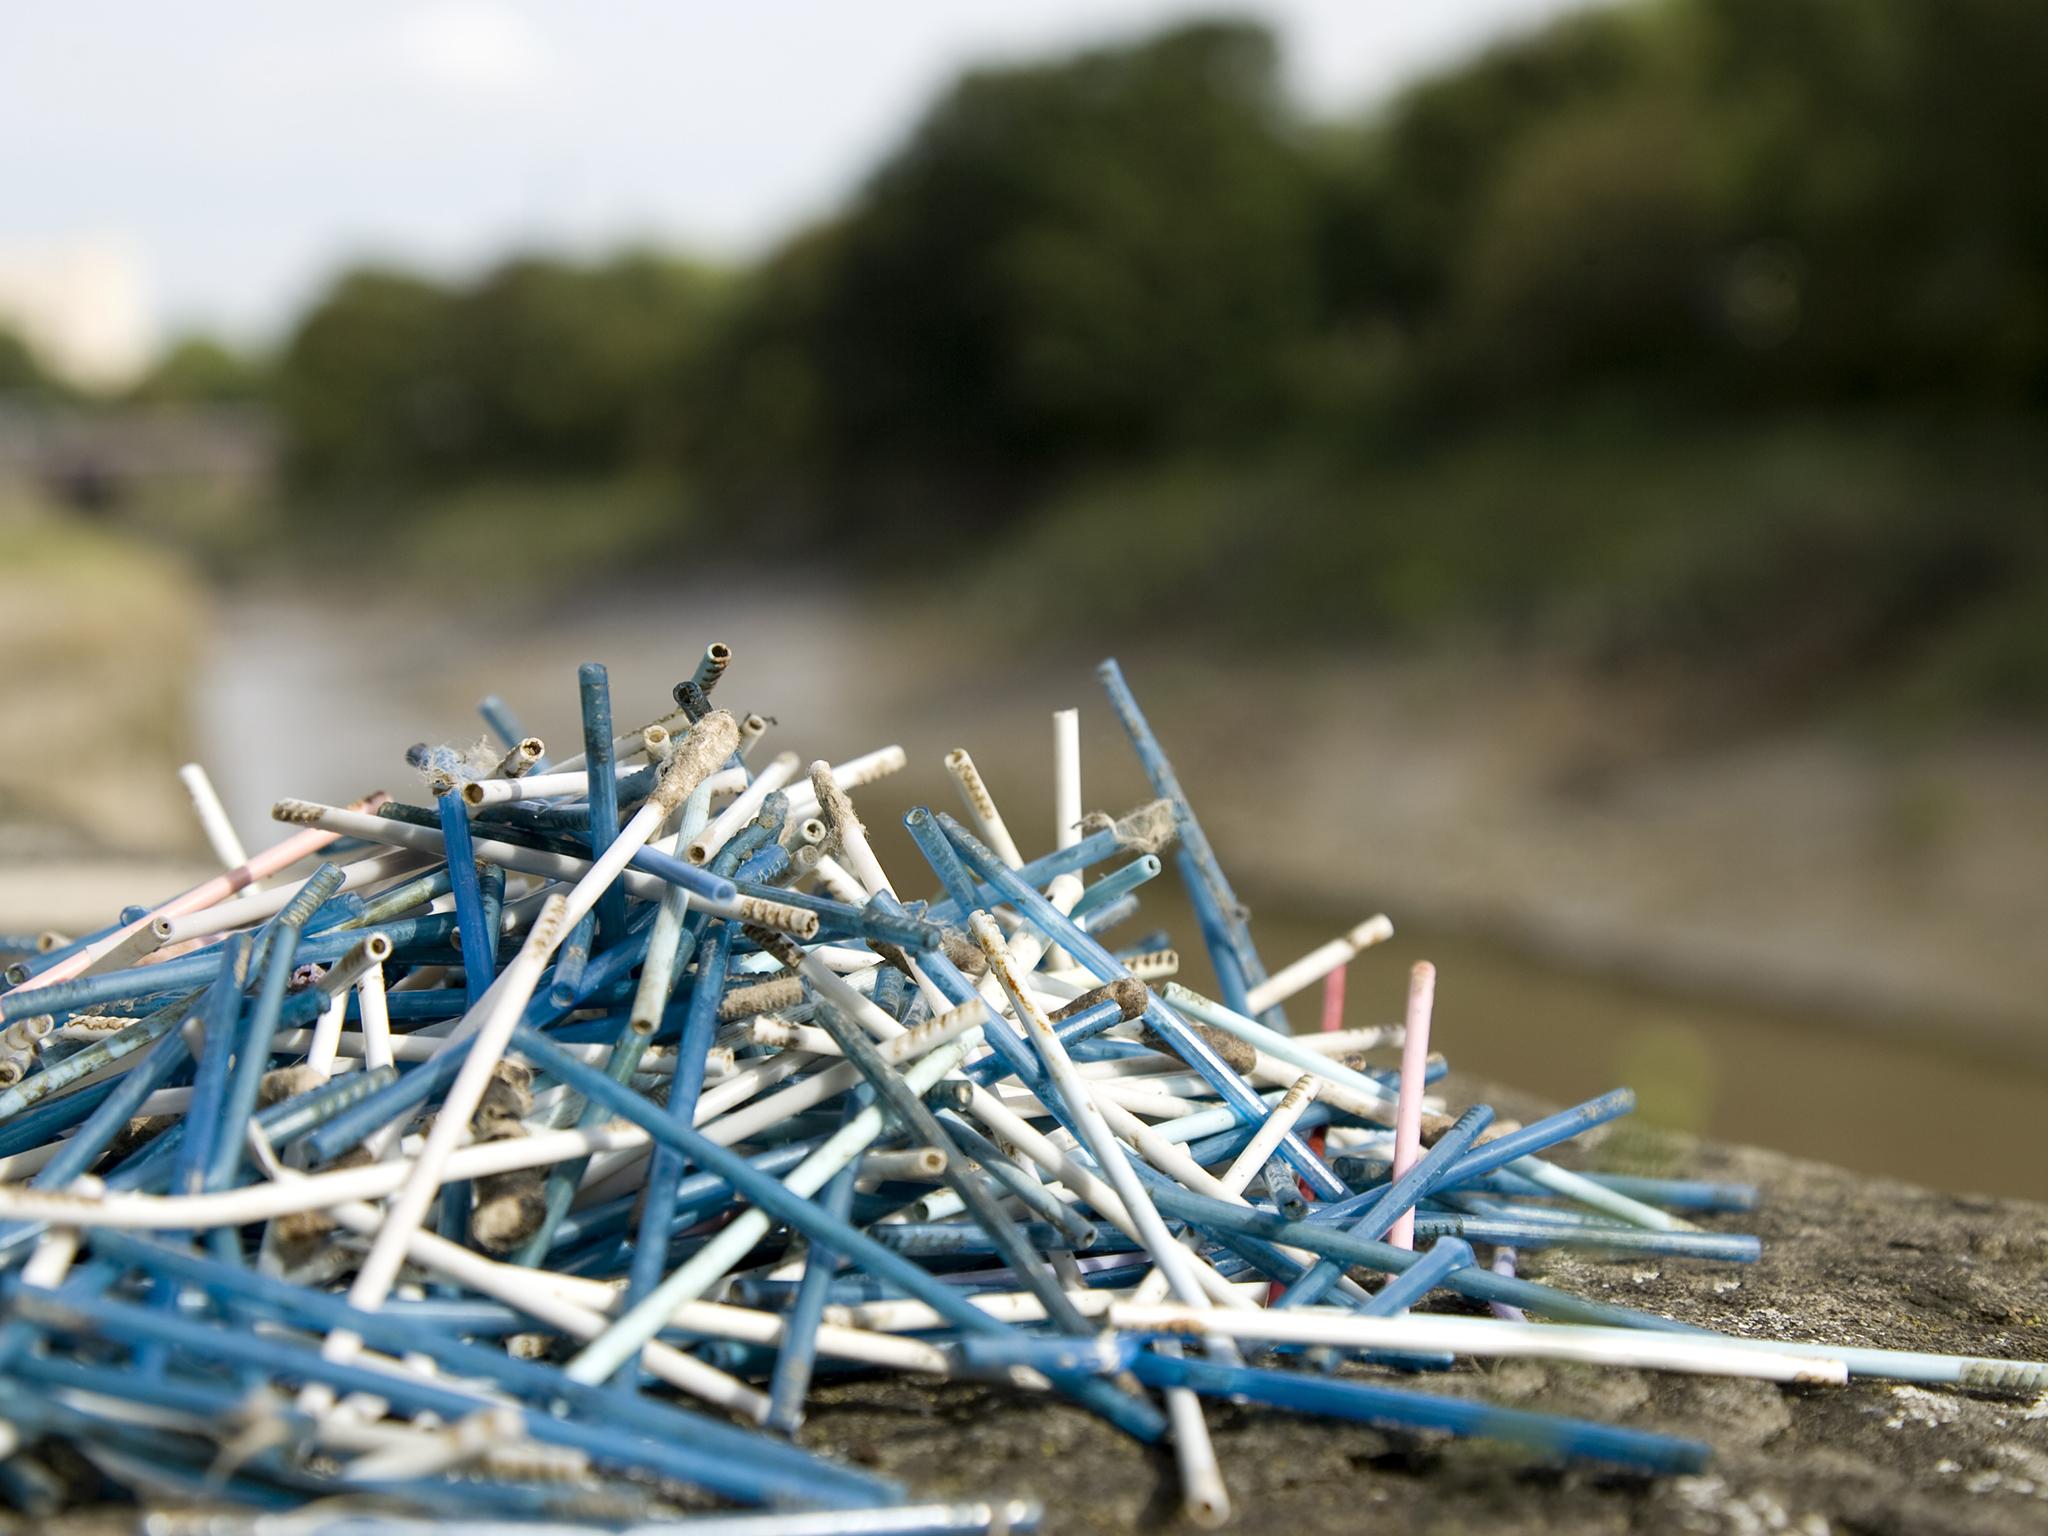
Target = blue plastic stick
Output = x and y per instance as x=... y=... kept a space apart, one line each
x=700 y=1025
x=1383 y=1208
x=1188 y=1045
x=252 y=1051
x=1543 y=1434
x=594 y=691
x=1132 y=1415
x=1206 y=869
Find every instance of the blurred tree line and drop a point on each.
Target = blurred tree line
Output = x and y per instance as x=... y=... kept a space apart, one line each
x=22 y=375
x=1700 y=326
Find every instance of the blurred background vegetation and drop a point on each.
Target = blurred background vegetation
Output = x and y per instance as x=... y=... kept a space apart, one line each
x=1702 y=336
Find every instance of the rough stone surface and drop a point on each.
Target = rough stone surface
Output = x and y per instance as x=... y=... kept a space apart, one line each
x=1846 y=1259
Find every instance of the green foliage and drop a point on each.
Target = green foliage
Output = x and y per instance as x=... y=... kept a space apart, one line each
x=540 y=366
x=364 y=385
x=528 y=534
x=568 y=368
x=1092 y=259
x=1140 y=250
x=1810 y=557
x=1580 y=342
x=1806 y=201
x=201 y=370
x=21 y=372
x=1598 y=257
x=1886 y=147
x=1409 y=191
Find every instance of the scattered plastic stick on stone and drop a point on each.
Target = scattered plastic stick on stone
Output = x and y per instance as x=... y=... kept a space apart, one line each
x=523 y=1149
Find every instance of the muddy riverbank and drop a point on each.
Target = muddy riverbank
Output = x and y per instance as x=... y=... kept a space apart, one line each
x=1810 y=940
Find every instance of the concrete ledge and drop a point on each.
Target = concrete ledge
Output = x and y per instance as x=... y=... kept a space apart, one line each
x=1846 y=1259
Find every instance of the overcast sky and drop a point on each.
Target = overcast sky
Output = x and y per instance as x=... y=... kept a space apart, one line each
x=244 y=149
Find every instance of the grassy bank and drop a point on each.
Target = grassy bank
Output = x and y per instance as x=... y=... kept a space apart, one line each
x=100 y=634
x=1890 y=568
x=1900 y=567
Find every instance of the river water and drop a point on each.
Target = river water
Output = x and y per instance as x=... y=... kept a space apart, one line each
x=303 y=696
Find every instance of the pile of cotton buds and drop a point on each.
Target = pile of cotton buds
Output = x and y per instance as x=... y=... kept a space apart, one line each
x=525 y=1154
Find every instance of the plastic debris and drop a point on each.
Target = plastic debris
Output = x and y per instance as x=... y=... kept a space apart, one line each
x=524 y=1153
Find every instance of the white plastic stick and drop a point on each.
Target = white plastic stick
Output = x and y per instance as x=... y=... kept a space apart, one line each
x=213 y=817
x=132 y=1211
x=737 y=1238
x=780 y=770
x=500 y=1010
x=279 y=855
x=845 y=822
x=1434 y=1333
x=1259 y=1150
x=536 y=861
x=527 y=1290
x=981 y=807
x=1318 y=963
x=1347 y=1042
x=564 y=784
x=1082 y=1180
x=1202 y=1494
x=377 y=1049
x=1414 y=1072
x=905 y=1316
x=675 y=721
x=240 y=912
x=1066 y=777
x=1166 y=1251
x=851 y=774
x=1287 y=1048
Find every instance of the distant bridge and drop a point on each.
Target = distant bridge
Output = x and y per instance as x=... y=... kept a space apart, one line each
x=94 y=457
